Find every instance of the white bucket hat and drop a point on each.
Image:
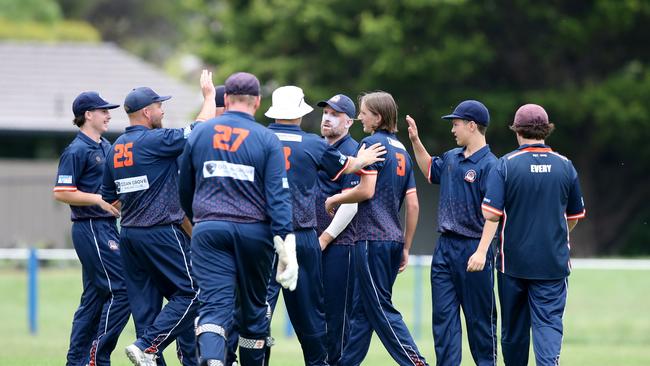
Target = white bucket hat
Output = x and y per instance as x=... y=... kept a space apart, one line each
x=288 y=102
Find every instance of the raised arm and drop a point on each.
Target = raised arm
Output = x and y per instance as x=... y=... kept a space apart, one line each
x=209 y=107
x=422 y=157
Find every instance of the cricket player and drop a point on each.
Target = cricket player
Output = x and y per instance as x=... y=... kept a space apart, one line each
x=382 y=248
x=534 y=200
x=305 y=155
x=142 y=174
x=104 y=309
x=234 y=187
x=462 y=175
x=337 y=235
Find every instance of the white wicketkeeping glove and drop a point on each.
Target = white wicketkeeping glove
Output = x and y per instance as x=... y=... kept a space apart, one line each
x=287 y=274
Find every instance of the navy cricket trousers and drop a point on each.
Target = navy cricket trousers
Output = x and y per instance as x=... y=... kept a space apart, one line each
x=232 y=259
x=536 y=303
x=338 y=286
x=376 y=265
x=157 y=265
x=104 y=307
x=305 y=304
x=453 y=288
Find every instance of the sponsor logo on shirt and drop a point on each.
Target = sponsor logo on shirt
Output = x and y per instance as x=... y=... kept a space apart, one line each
x=342 y=159
x=289 y=137
x=132 y=184
x=285 y=183
x=540 y=168
x=219 y=168
x=64 y=179
x=470 y=176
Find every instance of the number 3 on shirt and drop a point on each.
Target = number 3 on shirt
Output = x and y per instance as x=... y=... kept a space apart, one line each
x=223 y=135
x=123 y=155
x=401 y=164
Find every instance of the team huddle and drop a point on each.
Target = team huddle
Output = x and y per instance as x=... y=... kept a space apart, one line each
x=219 y=217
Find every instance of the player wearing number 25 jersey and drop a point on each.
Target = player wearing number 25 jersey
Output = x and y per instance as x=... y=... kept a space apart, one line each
x=142 y=173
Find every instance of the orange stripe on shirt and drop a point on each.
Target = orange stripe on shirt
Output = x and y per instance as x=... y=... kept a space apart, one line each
x=491 y=209
x=64 y=189
x=367 y=172
x=345 y=166
x=577 y=216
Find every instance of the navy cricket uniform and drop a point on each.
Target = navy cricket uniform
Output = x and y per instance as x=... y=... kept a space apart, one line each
x=463 y=182
x=377 y=257
x=305 y=155
x=142 y=173
x=535 y=191
x=104 y=308
x=338 y=273
x=233 y=182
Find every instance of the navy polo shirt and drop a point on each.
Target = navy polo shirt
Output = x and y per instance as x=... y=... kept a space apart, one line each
x=328 y=187
x=378 y=217
x=535 y=190
x=141 y=171
x=233 y=169
x=305 y=155
x=462 y=188
x=81 y=167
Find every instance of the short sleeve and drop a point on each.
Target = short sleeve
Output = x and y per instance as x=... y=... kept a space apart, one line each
x=435 y=169
x=332 y=161
x=410 y=184
x=494 y=199
x=372 y=169
x=70 y=167
x=575 y=206
x=172 y=141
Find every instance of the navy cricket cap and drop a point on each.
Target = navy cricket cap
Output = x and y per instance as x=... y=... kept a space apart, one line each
x=141 y=97
x=242 y=83
x=340 y=103
x=89 y=101
x=471 y=110
x=218 y=98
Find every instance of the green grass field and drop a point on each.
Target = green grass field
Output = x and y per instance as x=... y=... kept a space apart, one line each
x=607 y=321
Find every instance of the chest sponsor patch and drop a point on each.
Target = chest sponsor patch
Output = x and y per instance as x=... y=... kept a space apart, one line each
x=288 y=137
x=64 y=179
x=470 y=176
x=218 y=168
x=133 y=184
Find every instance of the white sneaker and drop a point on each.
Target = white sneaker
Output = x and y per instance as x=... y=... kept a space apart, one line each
x=138 y=357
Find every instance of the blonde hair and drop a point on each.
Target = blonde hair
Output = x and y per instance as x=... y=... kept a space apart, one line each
x=247 y=99
x=383 y=105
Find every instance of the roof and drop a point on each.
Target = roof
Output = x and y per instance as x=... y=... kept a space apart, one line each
x=39 y=81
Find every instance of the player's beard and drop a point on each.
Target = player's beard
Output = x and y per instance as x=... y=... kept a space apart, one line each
x=334 y=129
x=156 y=123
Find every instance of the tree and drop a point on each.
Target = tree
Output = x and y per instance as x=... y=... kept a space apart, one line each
x=582 y=60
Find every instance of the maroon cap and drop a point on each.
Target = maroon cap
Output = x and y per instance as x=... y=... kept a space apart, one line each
x=242 y=83
x=530 y=115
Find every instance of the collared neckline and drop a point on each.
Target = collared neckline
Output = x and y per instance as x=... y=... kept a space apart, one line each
x=340 y=142
x=281 y=126
x=535 y=148
x=136 y=128
x=85 y=138
x=240 y=114
x=476 y=156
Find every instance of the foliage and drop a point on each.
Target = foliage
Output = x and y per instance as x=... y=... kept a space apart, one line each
x=583 y=60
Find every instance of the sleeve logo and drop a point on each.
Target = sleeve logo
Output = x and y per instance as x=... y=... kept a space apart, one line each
x=64 y=179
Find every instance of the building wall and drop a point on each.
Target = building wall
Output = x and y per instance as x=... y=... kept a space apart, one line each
x=30 y=216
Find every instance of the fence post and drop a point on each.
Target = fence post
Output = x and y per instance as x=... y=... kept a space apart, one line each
x=288 y=328
x=32 y=291
x=417 y=297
